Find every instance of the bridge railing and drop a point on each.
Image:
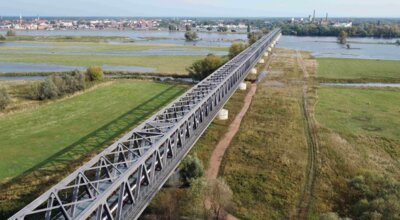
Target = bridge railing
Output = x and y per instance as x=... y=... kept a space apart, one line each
x=119 y=182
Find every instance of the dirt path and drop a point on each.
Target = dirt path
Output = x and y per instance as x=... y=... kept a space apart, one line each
x=223 y=144
x=305 y=200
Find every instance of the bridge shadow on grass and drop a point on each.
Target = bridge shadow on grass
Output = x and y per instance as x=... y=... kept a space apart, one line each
x=19 y=191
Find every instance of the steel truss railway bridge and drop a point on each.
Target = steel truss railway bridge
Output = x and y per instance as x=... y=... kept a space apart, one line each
x=121 y=181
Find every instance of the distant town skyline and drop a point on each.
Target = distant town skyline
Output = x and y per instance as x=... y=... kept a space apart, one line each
x=202 y=8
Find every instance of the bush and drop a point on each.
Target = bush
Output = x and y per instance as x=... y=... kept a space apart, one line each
x=58 y=85
x=44 y=90
x=398 y=42
x=4 y=98
x=191 y=36
x=236 y=49
x=69 y=82
x=192 y=168
x=203 y=68
x=11 y=33
x=2 y=38
x=374 y=196
x=94 y=73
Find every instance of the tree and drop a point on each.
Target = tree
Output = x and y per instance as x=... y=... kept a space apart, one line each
x=222 y=29
x=194 y=204
x=209 y=28
x=219 y=196
x=342 y=38
x=168 y=204
x=191 y=36
x=2 y=38
x=398 y=42
x=4 y=98
x=11 y=33
x=172 y=27
x=94 y=73
x=254 y=37
x=203 y=68
x=192 y=168
x=236 y=48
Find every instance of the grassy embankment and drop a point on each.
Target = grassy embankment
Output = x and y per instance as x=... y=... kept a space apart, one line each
x=266 y=163
x=206 y=144
x=358 y=130
x=358 y=70
x=41 y=145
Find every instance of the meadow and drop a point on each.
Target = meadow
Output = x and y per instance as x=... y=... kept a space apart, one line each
x=358 y=70
x=265 y=164
x=41 y=145
x=86 y=121
x=358 y=111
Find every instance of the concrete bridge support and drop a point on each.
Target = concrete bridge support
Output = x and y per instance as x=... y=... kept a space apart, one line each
x=223 y=115
x=242 y=86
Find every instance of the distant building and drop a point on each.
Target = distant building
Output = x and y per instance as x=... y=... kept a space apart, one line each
x=343 y=25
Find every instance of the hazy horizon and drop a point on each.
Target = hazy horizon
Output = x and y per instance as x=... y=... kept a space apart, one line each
x=204 y=8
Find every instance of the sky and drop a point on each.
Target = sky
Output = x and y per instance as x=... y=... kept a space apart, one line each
x=201 y=8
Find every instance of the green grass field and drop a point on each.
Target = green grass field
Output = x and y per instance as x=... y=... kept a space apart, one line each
x=357 y=111
x=358 y=133
x=358 y=70
x=77 y=125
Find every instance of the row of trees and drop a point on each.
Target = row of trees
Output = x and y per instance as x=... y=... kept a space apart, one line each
x=68 y=83
x=10 y=33
x=200 y=69
x=362 y=30
x=57 y=85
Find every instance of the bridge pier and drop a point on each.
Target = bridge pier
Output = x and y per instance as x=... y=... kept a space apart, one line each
x=269 y=49
x=253 y=71
x=265 y=54
x=223 y=115
x=242 y=86
x=262 y=61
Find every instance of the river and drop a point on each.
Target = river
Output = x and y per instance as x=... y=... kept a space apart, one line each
x=361 y=48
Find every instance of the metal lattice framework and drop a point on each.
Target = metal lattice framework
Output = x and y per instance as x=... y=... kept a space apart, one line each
x=121 y=181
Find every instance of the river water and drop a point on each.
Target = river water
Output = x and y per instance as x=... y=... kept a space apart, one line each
x=214 y=39
x=362 y=48
x=366 y=48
